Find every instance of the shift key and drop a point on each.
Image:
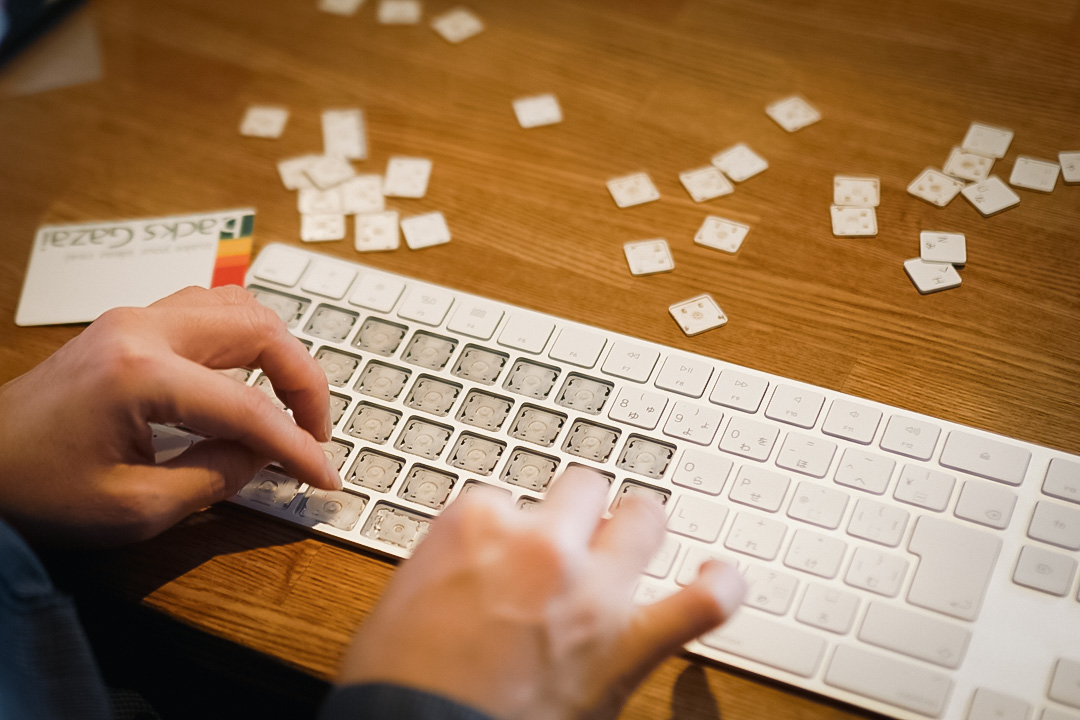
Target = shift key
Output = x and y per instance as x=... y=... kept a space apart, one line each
x=955 y=564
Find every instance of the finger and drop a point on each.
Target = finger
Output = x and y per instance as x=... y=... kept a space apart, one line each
x=574 y=505
x=632 y=536
x=151 y=499
x=243 y=333
x=182 y=391
x=699 y=607
x=195 y=296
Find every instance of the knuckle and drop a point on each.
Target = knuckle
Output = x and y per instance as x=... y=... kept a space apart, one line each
x=233 y=295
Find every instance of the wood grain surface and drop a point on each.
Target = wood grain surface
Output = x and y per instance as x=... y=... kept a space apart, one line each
x=653 y=85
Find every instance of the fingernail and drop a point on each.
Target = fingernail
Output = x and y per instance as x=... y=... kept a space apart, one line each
x=329 y=430
x=728 y=586
x=333 y=475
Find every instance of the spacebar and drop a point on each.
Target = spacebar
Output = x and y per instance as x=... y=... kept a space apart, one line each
x=889 y=680
x=755 y=638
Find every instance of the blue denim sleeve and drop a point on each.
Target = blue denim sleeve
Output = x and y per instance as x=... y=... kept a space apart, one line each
x=47 y=669
x=384 y=700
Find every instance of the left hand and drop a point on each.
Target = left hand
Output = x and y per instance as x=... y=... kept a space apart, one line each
x=76 y=460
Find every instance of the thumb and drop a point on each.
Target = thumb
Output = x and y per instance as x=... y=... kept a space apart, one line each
x=710 y=600
x=159 y=496
x=208 y=472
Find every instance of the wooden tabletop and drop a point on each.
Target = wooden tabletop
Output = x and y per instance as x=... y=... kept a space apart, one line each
x=647 y=86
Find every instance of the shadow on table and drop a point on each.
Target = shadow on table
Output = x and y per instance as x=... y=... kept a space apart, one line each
x=183 y=671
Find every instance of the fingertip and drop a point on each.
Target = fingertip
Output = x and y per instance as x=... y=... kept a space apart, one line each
x=725 y=583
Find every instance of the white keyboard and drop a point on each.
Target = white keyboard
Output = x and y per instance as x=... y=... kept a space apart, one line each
x=897 y=562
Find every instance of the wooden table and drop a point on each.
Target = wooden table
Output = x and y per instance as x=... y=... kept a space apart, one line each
x=645 y=85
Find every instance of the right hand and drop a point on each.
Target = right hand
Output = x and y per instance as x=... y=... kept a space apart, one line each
x=529 y=614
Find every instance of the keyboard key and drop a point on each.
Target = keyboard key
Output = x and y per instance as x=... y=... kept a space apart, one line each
x=639 y=408
x=526 y=331
x=985 y=457
x=645 y=456
x=591 y=441
x=991 y=705
x=889 y=680
x=684 y=375
x=427 y=306
x=281 y=265
x=648 y=592
x=694 y=423
x=329 y=323
x=828 y=608
x=1065 y=684
x=589 y=395
x=877 y=571
x=1051 y=713
x=852 y=421
x=289 y=309
x=1063 y=480
x=763 y=489
x=475 y=318
x=1056 y=524
x=335 y=508
x=806 y=454
x=755 y=535
x=749 y=438
x=476 y=454
x=696 y=556
x=430 y=351
x=915 y=634
x=738 y=390
x=663 y=559
x=396 y=527
x=769 y=590
x=795 y=406
x=375 y=470
x=910 y=437
x=480 y=364
x=484 y=410
x=537 y=425
x=930 y=489
x=819 y=505
x=329 y=279
x=530 y=470
x=816 y=554
x=531 y=379
x=986 y=504
x=878 y=522
x=578 y=347
x=771 y=643
x=702 y=471
x=955 y=565
x=1044 y=570
x=423 y=438
x=630 y=361
x=630 y=489
x=377 y=292
x=337 y=366
x=697 y=518
x=382 y=381
x=864 y=470
x=270 y=489
x=380 y=337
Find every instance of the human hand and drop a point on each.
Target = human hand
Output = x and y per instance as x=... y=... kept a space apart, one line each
x=529 y=614
x=77 y=461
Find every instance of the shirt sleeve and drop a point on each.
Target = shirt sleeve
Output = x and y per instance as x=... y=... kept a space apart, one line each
x=47 y=669
x=384 y=700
